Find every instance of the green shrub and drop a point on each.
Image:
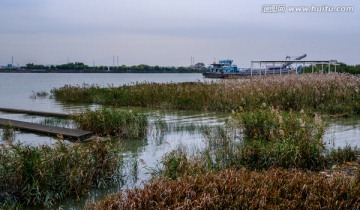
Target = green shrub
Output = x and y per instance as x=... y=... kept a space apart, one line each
x=42 y=175
x=113 y=122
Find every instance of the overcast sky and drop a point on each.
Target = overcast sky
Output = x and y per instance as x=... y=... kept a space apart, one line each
x=170 y=32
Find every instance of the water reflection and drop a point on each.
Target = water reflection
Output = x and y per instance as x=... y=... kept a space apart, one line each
x=343 y=131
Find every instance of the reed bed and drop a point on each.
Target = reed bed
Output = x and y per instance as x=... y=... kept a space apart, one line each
x=241 y=189
x=270 y=138
x=327 y=93
x=113 y=122
x=274 y=138
x=32 y=176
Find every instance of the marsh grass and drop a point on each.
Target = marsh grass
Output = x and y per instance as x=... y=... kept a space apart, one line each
x=8 y=133
x=326 y=93
x=274 y=138
x=241 y=189
x=40 y=94
x=59 y=122
x=42 y=175
x=177 y=164
x=260 y=140
x=342 y=155
x=113 y=122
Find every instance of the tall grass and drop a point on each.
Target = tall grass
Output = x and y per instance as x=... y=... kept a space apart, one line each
x=113 y=122
x=326 y=93
x=276 y=138
x=270 y=138
x=43 y=175
x=241 y=189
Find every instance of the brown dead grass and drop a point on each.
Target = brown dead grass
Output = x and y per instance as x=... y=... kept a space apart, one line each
x=242 y=189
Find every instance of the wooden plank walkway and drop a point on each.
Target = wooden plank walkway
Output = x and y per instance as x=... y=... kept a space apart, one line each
x=31 y=112
x=47 y=129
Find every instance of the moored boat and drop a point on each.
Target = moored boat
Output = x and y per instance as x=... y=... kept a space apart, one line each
x=226 y=69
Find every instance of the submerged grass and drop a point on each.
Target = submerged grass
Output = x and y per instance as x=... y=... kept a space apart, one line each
x=8 y=133
x=241 y=189
x=113 y=122
x=42 y=175
x=325 y=93
x=59 y=122
x=270 y=138
x=40 y=94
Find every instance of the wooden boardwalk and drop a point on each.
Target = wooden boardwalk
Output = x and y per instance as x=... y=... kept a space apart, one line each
x=31 y=112
x=47 y=129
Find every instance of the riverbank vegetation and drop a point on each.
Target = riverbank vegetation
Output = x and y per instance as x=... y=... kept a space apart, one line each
x=274 y=163
x=113 y=122
x=42 y=175
x=333 y=94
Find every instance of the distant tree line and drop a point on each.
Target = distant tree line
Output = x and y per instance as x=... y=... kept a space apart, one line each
x=348 y=68
x=136 y=68
x=342 y=68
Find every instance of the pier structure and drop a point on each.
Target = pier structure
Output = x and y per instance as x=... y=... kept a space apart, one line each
x=75 y=134
x=323 y=66
x=32 y=112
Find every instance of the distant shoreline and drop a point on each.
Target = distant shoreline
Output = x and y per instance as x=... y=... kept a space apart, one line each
x=93 y=71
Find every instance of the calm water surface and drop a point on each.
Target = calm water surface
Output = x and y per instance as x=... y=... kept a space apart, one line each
x=16 y=91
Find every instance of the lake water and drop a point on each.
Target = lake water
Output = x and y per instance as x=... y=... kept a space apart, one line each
x=16 y=91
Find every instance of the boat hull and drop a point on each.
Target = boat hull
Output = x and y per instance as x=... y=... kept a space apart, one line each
x=234 y=75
